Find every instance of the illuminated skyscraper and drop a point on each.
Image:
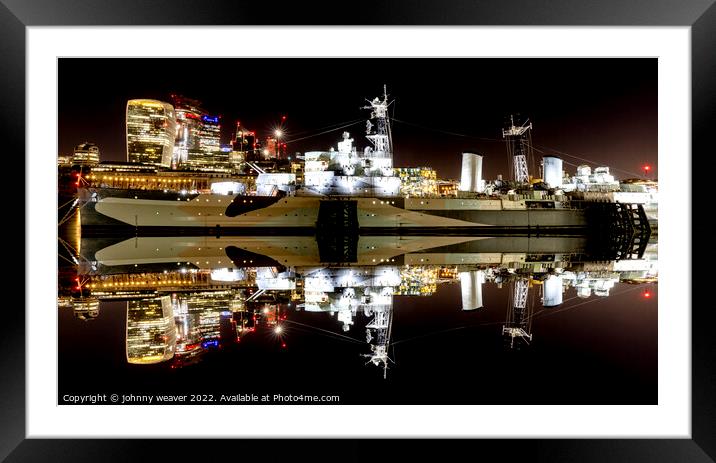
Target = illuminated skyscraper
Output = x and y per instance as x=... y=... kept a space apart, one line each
x=151 y=331
x=197 y=141
x=243 y=144
x=209 y=135
x=151 y=130
x=188 y=115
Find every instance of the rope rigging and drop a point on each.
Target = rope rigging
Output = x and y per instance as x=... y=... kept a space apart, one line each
x=531 y=145
x=326 y=331
x=326 y=131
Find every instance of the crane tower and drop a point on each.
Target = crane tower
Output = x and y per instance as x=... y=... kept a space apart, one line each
x=519 y=316
x=518 y=149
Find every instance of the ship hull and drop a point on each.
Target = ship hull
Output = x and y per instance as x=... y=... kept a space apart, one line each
x=203 y=212
x=156 y=254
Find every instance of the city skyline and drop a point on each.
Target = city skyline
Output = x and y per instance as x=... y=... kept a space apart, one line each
x=192 y=267
x=601 y=110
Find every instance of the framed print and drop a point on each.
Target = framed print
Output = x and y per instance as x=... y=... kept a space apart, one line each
x=271 y=224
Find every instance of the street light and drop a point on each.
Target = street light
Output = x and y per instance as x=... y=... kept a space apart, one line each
x=646 y=168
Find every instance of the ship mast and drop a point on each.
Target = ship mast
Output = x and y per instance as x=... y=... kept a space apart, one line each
x=518 y=148
x=378 y=333
x=381 y=136
x=519 y=316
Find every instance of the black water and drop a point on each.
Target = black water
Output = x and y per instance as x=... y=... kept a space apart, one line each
x=595 y=350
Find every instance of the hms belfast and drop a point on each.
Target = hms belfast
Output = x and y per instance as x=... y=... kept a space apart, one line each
x=347 y=193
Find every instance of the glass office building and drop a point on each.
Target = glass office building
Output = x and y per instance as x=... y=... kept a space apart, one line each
x=151 y=130
x=197 y=143
x=188 y=115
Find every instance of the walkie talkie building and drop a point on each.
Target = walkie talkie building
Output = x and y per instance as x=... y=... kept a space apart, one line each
x=151 y=130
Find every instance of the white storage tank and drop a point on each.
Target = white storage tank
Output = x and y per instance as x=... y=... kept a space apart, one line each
x=552 y=167
x=552 y=291
x=471 y=176
x=471 y=289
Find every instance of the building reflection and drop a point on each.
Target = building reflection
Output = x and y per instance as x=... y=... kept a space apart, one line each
x=83 y=308
x=151 y=332
x=200 y=299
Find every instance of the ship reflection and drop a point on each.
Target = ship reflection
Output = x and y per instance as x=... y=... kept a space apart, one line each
x=188 y=296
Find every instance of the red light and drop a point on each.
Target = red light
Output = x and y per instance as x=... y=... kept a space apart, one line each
x=647 y=294
x=283 y=118
x=283 y=344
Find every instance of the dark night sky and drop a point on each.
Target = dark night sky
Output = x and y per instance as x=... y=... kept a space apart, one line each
x=600 y=109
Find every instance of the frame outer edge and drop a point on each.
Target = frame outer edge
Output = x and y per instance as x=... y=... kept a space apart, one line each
x=12 y=83
x=703 y=67
x=359 y=12
x=12 y=131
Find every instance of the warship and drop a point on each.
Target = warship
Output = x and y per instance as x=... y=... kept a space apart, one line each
x=345 y=191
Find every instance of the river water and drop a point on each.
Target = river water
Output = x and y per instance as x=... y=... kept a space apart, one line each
x=507 y=328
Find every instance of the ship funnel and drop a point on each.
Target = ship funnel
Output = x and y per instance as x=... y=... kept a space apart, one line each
x=471 y=288
x=552 y=171
x=471 y=178
x=552 y=291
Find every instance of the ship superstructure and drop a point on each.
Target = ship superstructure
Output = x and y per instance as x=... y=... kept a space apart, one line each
x=347 y=171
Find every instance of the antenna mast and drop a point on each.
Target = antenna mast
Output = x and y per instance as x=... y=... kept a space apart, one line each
x=379 y=158
x=380 y=136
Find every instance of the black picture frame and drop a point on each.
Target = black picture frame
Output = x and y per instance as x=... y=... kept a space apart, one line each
x=700 y=15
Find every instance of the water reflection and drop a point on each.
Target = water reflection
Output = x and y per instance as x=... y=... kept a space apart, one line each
x=151 y=331
x=186 y=296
